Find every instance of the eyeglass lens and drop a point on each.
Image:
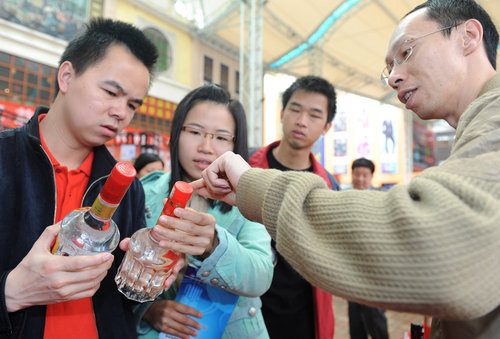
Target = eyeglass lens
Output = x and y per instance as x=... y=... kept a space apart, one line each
x=221 y=139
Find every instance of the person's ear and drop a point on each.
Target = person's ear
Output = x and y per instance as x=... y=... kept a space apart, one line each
x=327 y=127
x=65 y=74
x=472 y=36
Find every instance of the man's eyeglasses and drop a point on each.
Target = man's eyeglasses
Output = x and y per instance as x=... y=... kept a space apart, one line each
x=404 y=53
x=219 y=139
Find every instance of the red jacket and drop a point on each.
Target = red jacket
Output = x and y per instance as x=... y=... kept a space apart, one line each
x=323 y=315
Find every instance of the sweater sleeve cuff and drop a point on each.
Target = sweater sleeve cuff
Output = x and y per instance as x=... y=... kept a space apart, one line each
x=143 y=326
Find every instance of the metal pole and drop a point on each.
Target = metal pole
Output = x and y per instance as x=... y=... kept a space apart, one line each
x=252 y=74
x=242 y=53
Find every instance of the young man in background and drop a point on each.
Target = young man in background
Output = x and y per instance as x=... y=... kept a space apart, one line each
x=292 y=307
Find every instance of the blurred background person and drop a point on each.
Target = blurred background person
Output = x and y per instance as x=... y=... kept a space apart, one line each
x=365 y=320
x=362 y=173
x=147 y=163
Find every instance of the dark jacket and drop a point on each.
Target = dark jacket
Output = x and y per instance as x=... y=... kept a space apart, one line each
x=324 y=322
x=27 y=207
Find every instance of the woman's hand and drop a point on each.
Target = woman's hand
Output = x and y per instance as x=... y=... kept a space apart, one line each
x=192 y=232
x=171 y=317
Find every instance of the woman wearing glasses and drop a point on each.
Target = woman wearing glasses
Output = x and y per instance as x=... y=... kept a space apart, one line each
x=228 y=250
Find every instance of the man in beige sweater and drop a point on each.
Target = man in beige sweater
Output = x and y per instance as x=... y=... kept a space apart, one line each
x=432 y=246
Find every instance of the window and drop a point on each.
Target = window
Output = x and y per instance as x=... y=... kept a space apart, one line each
x=224 y=76
x=154 y=115
x=208 y=70
x=164 y=49
x=25 y=81
x=4 y=57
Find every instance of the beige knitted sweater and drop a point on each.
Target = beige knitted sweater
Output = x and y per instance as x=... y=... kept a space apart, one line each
x=430 y=247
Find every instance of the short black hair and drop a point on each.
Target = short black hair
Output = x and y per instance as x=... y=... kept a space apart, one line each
x=315 y=84
x=145 y=158
x=453 y=12
x=90 y=45
x=207 y=93
x=363 y=162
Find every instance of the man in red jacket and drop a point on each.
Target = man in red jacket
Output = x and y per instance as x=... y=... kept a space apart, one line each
x=292 y=307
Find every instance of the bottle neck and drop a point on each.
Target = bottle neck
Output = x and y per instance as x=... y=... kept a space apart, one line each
x=153 y=236
x=99 y=215
x=95 y=223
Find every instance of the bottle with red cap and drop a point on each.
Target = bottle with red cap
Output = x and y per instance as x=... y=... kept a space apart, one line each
x=146 y=266
x=90 y=230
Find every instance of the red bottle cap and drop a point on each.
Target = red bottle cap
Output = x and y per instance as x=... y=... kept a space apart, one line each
x=118 y=182
x=178 y=198
x=181 y=193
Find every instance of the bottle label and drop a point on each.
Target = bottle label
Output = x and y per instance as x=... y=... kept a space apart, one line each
x=169 y=259
x=55 y=246
x=103 y=210
x=169 y=208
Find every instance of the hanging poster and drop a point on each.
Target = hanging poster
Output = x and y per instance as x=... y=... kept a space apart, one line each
x=340 y=160
x=59 y=18
x=362 y=133
x=318 y=150
x=389 y=151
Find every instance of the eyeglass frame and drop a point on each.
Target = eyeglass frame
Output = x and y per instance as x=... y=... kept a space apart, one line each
x=204 y=133
x=383 y=77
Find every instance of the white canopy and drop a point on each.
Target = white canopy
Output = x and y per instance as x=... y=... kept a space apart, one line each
x=344 y=41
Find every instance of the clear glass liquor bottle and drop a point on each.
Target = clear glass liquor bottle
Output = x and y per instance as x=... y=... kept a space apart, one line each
x=90 y=230
x=146 y=266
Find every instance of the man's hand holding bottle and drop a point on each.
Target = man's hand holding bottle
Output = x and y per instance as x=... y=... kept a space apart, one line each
x=42 y=278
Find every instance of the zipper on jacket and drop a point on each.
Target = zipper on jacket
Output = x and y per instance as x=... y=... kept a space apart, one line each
x=54 y=182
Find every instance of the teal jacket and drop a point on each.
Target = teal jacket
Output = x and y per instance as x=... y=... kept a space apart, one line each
x=242 y=263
